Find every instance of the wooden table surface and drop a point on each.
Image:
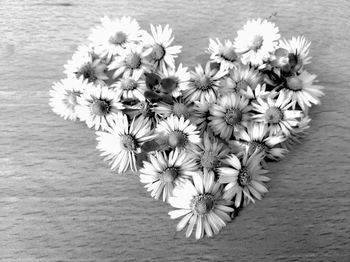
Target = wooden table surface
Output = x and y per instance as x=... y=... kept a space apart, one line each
x=60 y=202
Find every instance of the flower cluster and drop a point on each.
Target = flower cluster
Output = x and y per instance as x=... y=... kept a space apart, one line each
x=199 y=139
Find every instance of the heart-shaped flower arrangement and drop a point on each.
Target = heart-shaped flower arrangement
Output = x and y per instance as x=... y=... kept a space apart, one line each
x=198 y=139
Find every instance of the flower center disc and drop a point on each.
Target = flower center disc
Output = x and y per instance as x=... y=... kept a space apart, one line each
x=177 y=139
x=209 y=160
x=169 y=175
x=87 y=72
x=128 y=143
x=229 y=54
x=273 y=115
x=133 y=61
x=204 y=83
x=233 y=116
x=119 y=38
x=294 y=83
x=158 y=52
x=255 y=145
x=244 y=178
x=242 y=84
x=257 y=43
x=100 y=107
x=129 y=84
x=72 y=98
x=180 y=109
x=202 y=204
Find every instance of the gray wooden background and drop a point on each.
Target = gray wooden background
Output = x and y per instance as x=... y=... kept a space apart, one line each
x=60 y=202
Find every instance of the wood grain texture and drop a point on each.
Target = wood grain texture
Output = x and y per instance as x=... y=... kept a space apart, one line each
x=60 y=202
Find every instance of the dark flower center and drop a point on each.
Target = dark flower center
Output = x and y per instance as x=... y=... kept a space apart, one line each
x=244 y=177
x=209 y=160
x=273 y=115
x=257 y=43
x=177 y=139
x=241 y=84
x=203 y=83
x=180 y=109
x=257 y=145
x=100 y=107
x=118 y=39
x=294 y=83
x=133 y=60
x=229 y=54
x=128 y=143
x=88 y=72
x=169 y=175
x=233 y=116
x=203 y=204
x=158 y=52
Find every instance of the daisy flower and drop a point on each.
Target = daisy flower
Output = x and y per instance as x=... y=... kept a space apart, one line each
x=229 y=115
x=98 y=106
x=161 y=53
x=131 y=87
x=179 y=77
x=277 y=114
x=64 y=95
x=209 y=153
x=122 y=141
x=130 y=61
x=244 y=178
x=113 y=36
x=179 y=132
x=301 y=89
x=223 y=54
x=164 y=171
x=298 y=51
x=179 y=108
x=200 y=116
x=256 y=41
x=87 y=65
x=257 y=137
x=201 y=203
x=204 y=84
x=240 y=79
